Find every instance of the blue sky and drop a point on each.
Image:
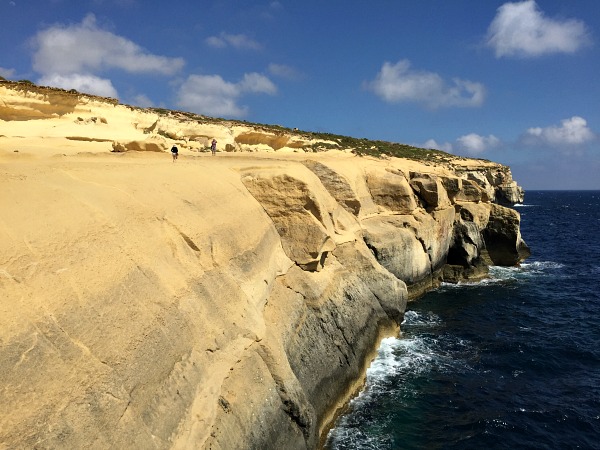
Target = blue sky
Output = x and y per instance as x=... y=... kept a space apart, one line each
x=514 y=82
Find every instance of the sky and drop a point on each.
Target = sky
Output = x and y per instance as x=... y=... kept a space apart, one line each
x=510 y=81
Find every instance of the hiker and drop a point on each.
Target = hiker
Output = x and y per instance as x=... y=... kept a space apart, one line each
x=174 y=152
x=213 y=147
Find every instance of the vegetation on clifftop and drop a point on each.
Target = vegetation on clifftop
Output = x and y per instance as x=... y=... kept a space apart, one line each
x=318 y=141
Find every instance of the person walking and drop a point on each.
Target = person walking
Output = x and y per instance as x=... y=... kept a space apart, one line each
x=174 y=152
x=213 y=146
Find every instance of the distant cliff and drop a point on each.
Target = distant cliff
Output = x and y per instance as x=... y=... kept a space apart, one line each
x=217 y=302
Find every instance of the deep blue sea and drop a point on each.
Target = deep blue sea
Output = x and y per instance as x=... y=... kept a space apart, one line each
x=508 y=363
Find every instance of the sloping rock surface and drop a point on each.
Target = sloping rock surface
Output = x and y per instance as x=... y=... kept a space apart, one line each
x=213 y=302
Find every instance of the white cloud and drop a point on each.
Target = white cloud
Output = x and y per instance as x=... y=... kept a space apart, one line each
x=521 y=29
x=286 y=72
x=475 y=144
x=6 y=73
x=239 y=41
x=257 y=83
x=431 y=143
x=573 y=131
x=85 y=48
x=397 y=83
x=142 y=101
x=212 y=95
x=89 y=84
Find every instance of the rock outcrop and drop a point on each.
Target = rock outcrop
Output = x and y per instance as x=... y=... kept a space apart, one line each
x=216 y=302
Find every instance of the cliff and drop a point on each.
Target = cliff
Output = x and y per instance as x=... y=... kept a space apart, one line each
x=215 y=302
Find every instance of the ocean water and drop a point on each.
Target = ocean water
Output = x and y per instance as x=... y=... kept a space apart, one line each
x=510 y=362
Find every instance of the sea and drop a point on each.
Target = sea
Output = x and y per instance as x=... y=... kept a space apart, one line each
x=512 y=362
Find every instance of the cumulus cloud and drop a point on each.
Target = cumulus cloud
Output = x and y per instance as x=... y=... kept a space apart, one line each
x=521 y=29
x=397 y=83
x=257 y=83
x=474 y=144
x=212 y=95
x=6 y=73
x=86 y=48
x=238 y=41
x=431 y=143
x=84 y=83
x=571 y=132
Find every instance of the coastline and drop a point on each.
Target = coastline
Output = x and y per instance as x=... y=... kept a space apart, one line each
x=153 y=294
x=354 y=388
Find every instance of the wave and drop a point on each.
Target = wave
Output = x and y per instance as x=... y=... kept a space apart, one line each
x=415 y=318
x=416 y=354
x=542 y=265
x=500 y=274
x=522 y=205
x=417 y=351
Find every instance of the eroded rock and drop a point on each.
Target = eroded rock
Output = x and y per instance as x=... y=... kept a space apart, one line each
x=430 y=189
x=391 y=190
x=502 y=236
x=309 y=221
x=152 y=144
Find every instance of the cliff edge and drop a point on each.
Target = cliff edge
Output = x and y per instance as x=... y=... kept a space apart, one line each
x=216 y=302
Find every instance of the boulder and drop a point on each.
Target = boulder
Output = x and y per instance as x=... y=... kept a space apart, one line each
x=453 y=186
x=502 y=236
x=430 y=189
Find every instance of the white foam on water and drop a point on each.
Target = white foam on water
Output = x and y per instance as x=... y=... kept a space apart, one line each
x=522 y=205
x=416 y=318
x=500 y=274
x=411 y=356
x=398 y=355
x=401 y=358
x=542 y=265
x=353 y=437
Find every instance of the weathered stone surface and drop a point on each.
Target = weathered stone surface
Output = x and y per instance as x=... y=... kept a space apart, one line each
x=482 y=180
x=435 y=231
x=471 y=192
x=509 y=193
x=391 y=190
x=337 y=185
x=453 y=186
x=344 y=311
x=148 y=145
x=217 y=303
x=503 y=237
x=395 y=245
x=430 y=189
x=307 y=219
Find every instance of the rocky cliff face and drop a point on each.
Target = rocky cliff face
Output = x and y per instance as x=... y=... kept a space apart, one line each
x=219 y=303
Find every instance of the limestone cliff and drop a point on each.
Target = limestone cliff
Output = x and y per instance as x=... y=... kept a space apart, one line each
x=216 y=302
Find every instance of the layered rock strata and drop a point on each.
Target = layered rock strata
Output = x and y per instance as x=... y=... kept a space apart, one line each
x=218 y=303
